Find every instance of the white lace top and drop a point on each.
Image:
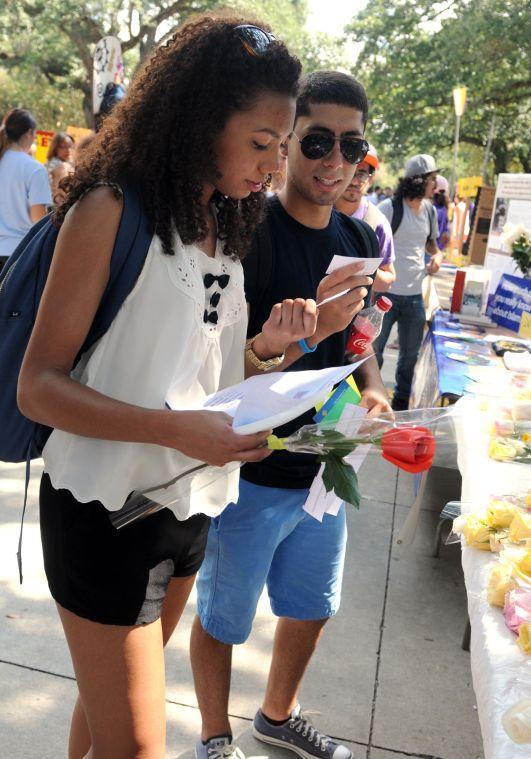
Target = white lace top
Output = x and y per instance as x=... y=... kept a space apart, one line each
x=159 y=340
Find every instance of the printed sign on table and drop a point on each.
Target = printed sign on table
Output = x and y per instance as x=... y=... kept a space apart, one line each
x=511 y=300
x=512 y=205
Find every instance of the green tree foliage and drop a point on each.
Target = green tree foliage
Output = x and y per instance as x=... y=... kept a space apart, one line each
x=414 y=52
x=47 y=45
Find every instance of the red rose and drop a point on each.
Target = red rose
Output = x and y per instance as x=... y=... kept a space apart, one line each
x=410 y=448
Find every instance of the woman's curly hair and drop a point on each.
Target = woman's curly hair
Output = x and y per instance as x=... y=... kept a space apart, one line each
x=162 y=135
x=412 y=187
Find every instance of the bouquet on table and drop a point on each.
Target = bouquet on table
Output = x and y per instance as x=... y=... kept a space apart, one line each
x=504 y=528
x=510 y=433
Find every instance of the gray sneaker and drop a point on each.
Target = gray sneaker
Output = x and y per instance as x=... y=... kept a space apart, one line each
x=218 y=748
x=300 y=736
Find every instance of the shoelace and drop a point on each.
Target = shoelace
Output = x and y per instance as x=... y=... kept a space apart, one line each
x=225 y=752
x=302 y=724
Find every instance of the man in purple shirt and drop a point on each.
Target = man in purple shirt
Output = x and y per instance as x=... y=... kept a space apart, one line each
x=354 y=203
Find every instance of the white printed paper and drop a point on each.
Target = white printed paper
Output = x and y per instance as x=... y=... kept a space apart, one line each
x=319 y=502
x=266 y=401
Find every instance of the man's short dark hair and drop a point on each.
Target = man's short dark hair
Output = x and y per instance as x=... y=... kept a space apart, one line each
x=334 y=88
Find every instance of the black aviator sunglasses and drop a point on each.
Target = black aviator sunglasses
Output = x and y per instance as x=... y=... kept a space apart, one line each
x=315 y=146
x=255 y=41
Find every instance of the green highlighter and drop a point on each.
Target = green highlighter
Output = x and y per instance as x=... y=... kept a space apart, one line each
x=331 y=410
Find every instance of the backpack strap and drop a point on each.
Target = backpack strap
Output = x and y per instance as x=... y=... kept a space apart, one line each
x=398 y=213
x=372 y=216
x=431 y=215
x=366 y=239
x=128 y=257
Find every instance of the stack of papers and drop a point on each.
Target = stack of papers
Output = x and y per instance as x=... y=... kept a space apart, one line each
x=266 y=401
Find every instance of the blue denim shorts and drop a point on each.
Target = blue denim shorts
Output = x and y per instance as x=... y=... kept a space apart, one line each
x=266 y=538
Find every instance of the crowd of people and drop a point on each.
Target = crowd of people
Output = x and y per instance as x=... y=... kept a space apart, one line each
x=230 y=111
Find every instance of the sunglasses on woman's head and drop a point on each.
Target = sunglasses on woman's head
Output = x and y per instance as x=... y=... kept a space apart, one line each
x=255 y=41
x=316 y=145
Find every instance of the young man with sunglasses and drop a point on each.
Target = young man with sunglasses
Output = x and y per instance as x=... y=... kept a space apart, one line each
x=267 y=538
x=355 y=203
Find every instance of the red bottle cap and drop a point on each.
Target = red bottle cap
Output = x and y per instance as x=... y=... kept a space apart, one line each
x=383 y=303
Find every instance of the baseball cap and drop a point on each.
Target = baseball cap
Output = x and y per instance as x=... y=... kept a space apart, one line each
x=372 y=157
x=420 y=164
x=441 y=184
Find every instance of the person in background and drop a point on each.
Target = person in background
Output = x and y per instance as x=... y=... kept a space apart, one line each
x=416 y=234
x=388 y=193
x=278 y=179
x=59 y=162
x=441 y=202
x=24 y=187
x=374 y=196
x=354 y=203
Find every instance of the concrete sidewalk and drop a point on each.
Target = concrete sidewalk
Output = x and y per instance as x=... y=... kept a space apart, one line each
x=389 y=678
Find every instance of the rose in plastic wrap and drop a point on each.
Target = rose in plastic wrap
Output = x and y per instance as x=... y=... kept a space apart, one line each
x=500 y=513
x=411 y=449
x=476 y=533
x=524 y=637
x=517 y=609
x=517 y=721
x=520 y=528
x=501 y=581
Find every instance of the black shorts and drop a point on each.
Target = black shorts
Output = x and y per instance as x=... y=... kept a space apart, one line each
x=116 y=577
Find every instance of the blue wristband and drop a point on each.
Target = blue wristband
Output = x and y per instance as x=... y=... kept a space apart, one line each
x=305 y=348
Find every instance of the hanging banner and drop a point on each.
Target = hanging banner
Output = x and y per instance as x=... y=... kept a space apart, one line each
x=108 y=68
x=42 y=139
x=512 y=205
x=467 y=187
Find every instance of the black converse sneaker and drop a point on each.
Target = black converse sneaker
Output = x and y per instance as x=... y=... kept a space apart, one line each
x=299 y=735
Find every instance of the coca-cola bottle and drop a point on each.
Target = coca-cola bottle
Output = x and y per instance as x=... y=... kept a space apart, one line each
x=367 y=326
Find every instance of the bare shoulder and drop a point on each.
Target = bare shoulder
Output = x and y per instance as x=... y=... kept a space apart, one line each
x=90 y=226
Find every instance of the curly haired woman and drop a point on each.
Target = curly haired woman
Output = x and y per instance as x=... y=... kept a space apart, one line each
x=198 y=133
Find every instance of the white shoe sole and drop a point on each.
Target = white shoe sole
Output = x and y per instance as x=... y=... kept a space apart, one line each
x=283 y=744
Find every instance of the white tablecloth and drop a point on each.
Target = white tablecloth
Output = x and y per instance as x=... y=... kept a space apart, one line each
x=501 y=672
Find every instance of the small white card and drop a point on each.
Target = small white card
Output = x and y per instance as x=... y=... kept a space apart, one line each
x=369 y=264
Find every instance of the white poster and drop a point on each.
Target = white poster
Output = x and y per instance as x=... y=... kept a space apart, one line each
x=512 y=205
x=108 y=68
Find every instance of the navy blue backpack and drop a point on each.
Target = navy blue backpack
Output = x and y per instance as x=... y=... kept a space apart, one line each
x=22 y=283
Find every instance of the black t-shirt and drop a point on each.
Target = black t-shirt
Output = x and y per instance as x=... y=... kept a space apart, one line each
x=298 y=260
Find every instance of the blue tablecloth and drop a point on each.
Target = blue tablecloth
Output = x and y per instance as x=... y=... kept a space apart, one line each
x=437 y=375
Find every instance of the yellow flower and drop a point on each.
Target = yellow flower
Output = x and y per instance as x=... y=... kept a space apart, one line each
x=528 y=500
x=520 y=528
x=500 y=450
x=476 y=533
x=524 y=637
x=500 y=514
x=524 y=564
x=500 y=581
